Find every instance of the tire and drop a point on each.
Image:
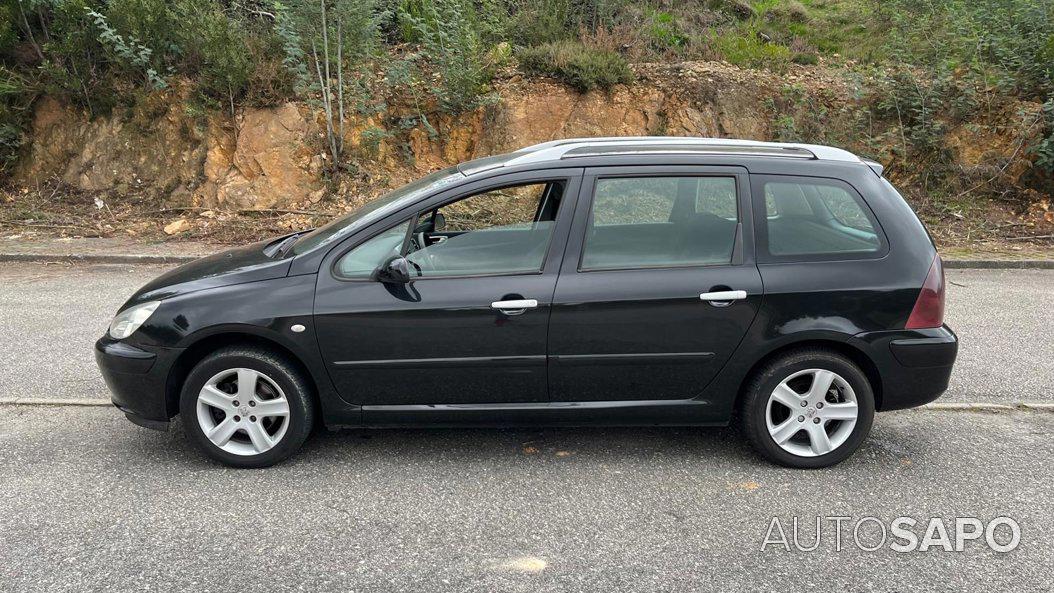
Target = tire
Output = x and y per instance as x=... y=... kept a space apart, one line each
x=766 y=416
x=268 y=428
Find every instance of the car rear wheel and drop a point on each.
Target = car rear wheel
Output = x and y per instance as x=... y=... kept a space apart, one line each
x=246 y=407
x=809 y=409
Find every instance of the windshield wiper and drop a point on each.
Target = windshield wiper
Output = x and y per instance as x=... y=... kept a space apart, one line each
x=283 y=246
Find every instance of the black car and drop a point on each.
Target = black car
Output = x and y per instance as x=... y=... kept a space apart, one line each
x=611 y=281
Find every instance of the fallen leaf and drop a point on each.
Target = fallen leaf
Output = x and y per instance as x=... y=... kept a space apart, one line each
x=748 y=486
x=530 y=450
x=563 y=453
x=525 y=564
x=176 y=226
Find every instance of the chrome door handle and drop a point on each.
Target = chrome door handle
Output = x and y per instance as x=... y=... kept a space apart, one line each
x=723 y=296
x=514 y=307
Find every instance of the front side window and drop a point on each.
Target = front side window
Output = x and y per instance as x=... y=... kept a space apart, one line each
x=376 y=209
x=817 y=218
x=362 y=261
x=644 y=222
x=500 y=231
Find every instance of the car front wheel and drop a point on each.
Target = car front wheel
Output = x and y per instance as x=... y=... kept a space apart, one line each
x=808 y=409
x=246 y=407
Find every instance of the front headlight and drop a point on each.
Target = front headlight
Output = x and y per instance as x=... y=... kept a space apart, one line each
x=130 y=319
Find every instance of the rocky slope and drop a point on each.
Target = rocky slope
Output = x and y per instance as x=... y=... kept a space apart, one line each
x=275 y=158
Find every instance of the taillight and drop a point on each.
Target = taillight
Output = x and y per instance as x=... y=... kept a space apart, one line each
x=929 y=307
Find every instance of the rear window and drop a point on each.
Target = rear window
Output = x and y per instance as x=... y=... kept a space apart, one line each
x=810 y=218
x=655 y=222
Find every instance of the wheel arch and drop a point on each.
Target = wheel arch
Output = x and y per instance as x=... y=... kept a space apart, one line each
x=854 y=353
x=199 y=349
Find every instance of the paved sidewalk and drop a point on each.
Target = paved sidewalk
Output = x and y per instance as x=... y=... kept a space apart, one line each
x=103 y=250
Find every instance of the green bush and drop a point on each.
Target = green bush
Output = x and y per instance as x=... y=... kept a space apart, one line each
x=14 y=99
x=1010 y=42
x=747 y=49
x=451 y=44
x=582 y=67
x=664 y=32
x=215 y=51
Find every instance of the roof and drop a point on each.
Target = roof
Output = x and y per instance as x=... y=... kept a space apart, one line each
x=591 y=147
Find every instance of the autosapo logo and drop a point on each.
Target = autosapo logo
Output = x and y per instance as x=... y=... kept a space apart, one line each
x=903 y=534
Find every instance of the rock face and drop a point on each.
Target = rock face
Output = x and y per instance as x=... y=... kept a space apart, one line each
x=163 y=155
x=260 y=160
x=275 y=158
x=265 y=163
x=686 y=100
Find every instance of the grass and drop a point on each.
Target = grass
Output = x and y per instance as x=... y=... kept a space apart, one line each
x=584 y=68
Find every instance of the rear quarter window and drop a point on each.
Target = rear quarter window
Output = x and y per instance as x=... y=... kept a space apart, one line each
x=811 y=219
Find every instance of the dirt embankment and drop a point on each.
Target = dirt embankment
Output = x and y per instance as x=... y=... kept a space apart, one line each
x=147 y=169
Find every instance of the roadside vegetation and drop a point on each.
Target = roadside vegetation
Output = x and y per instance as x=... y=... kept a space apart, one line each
x=923 y=66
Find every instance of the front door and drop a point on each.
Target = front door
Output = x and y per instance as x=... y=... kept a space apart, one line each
x=657 y=289
x=470 y=328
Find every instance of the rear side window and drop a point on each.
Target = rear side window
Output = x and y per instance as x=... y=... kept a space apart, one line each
x=650 y=222
x=810 y=219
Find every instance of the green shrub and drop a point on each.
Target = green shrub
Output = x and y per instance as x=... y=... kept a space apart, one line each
x=747 y=49
x=582 y=67
x=452 y=46
x=1010 y=42
x=1042 y=150
x=664 y=32
x=15 y=99
x=128 y=51
x=215 y=51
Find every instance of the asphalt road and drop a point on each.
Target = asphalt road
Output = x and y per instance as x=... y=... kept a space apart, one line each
x=90 y=503
x=51 y=315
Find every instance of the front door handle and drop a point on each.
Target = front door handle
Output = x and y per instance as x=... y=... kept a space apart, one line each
x=515 y=307
x=723 y=298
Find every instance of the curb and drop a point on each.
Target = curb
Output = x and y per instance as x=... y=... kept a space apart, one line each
x=989 y=407
x=938 y=407
x=96 y=258
x=128 y=258
x=55 y=402
x=1000 y=264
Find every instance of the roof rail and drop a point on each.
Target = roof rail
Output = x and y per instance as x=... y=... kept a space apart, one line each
x=686 y=145
x=796 y=152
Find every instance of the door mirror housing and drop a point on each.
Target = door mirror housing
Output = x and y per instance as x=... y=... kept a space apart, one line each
x=394 y=271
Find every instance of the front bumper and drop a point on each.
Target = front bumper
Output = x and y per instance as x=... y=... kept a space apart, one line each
x=136 y=378
x=914 y=365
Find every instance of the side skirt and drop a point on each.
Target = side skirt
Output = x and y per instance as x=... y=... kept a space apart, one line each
x=682 y=412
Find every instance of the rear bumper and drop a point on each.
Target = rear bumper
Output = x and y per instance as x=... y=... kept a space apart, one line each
x=914 y=365
x=136 y=378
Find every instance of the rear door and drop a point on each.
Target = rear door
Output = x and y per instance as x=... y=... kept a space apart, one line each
x=658 y=285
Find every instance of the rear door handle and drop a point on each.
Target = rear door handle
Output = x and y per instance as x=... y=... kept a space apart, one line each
x=514 y=307
x=723 y=297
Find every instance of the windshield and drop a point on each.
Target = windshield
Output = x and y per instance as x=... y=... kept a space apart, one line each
x=376 y=209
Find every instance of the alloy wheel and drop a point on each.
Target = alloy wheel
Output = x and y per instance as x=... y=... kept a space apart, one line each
x=243 y=411
x=811 y=412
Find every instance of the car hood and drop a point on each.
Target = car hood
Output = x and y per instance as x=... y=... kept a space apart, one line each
x=234 y=266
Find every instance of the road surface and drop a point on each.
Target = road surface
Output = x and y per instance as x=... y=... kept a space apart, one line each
x=90 y=502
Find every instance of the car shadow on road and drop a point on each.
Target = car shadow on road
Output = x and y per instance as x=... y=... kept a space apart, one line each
x=716 y=446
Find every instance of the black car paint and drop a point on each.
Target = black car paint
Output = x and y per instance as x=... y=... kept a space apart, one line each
x=384 y=355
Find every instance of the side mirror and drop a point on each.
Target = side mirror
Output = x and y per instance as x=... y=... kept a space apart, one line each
x=438 y=222
x=394 y=271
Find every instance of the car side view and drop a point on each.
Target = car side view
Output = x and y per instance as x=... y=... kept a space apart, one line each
x=615 y=281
